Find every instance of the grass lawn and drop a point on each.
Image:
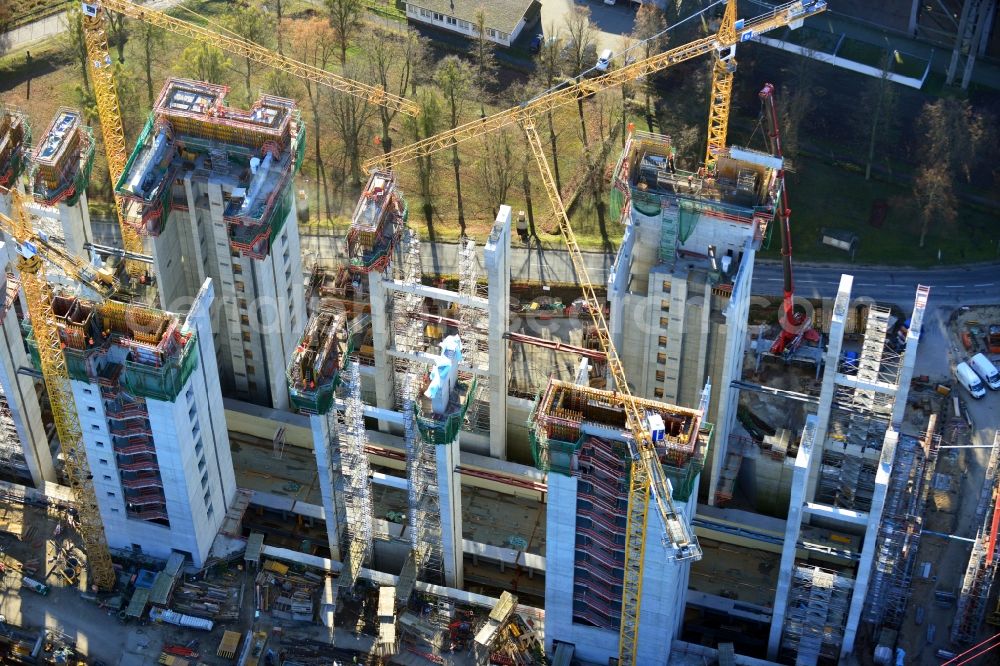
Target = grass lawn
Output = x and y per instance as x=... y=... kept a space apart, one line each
x=862 y=52
x=822 y=195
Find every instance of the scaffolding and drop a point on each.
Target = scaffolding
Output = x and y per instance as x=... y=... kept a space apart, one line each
x=355 y=471
x=256 y=151
x=62 y=160
x=422 y=494
x=15 y=136
x=981 y=569
x=376 y=224
x=314 y=371
x=472 y=331
x=899 y=533
x=817 y=613
x=564 y=409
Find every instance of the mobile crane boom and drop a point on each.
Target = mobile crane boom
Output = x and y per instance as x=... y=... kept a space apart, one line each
x=794 y=324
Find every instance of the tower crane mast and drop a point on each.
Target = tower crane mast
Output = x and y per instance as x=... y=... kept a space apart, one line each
x=38 y=297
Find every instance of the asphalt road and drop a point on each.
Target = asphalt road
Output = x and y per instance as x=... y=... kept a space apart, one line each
x=967 y=285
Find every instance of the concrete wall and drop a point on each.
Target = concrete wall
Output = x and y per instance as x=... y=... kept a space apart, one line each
x=560 y=544
x=192 y=451
x=20 y=391
x=322 y=426
x=259 y=310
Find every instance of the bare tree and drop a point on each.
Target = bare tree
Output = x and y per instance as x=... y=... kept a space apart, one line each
x=454 y=78
x=117 y=33
x=279 y=18
x=955 y=135
x=649 y=32
x=484 y=56
x=425 y=125
x=345 y=19
x=391 y=61
x=935 y=195
x=498 y=167
x=75 y=42
x=314 y=43
x=547 y=76
x=252 y=22
x=954 y=139
x=351 y=117
x=878 y=102
x=151 y=41
x=581 y=50
x=795 y=107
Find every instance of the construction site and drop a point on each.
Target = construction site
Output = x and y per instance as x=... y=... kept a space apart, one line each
x=214 y=452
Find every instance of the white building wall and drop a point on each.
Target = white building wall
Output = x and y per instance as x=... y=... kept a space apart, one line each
x=664 y=585
x=560 y=545
x=664 y=590
x=193 y=456
x=75 y=222
x=461 y=26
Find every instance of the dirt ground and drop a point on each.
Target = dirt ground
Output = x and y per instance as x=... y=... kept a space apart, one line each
x=959 y=479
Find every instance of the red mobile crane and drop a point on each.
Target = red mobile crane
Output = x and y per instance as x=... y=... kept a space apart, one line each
x=795 y=326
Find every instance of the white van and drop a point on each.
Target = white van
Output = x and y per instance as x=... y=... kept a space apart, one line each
x=984 y=368
x=604 y=61
x=970 y=380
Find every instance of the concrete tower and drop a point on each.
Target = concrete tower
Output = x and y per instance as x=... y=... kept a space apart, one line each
x=679 y=290
x=147 y=394
x=579 y=437
x=225 y=178
x=59 y=175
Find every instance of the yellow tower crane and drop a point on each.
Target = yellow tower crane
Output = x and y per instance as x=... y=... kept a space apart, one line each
x=789 y=14
x=38 y=296
x=106 y=93
x=723 y=71
x=646 y=474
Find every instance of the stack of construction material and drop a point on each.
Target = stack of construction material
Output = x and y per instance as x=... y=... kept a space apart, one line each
x=286 y=594
x=216 y=601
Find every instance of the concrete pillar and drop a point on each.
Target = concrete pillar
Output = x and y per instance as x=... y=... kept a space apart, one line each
x=75 y=222
x=22 y=397
x=832 y=360
x=956 y=52
x=450 y=503
x=909 y=356
x=323 y=427
x=793 y=526
x=914 y=15
x=736 y=313
x=870 y=543
x=377 y=296
x=496 y=255
x=978 y=40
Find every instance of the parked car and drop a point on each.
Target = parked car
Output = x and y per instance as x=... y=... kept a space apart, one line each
x=536 y=43
x=604 y=61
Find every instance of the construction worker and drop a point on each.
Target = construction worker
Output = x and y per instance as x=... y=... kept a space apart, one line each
x=522 y=226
